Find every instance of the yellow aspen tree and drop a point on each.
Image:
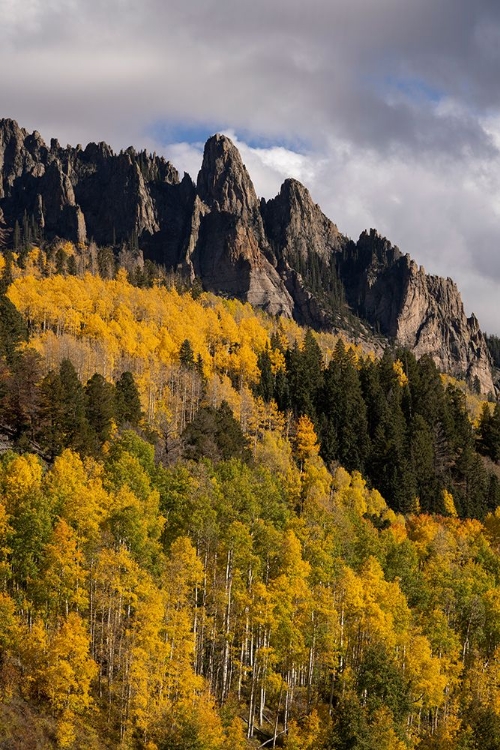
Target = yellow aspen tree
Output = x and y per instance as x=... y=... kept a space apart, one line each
x=10 y=635
x=64 y=575
x=426 y=682
x=306 y=441
x=77 y=492
x=309 y=735
x=145 y=660
x=5 y=531
x=382 y=733
x=449 y=504
x=235 y=736
x=401 y=376
x=292 y=601
x=21 y=476
x=183 y=572
x=69 y=674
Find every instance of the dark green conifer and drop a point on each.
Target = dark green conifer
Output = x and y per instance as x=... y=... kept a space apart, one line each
x=344 y=425
x=265 y=386
x=13 y=329
x=22 y=399
x=51 y=424
x=186 y=355
x=128 y=402
x=214 y=433
x=75 y=425
x=100 y=407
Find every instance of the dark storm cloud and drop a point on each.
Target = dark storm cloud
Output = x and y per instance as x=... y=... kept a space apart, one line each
x=282 y=67
x=395 y=103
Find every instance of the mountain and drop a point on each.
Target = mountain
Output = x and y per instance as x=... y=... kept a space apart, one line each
x=283 y=255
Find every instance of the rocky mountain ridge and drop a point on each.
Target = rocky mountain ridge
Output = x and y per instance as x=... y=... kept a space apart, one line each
x=283 y=255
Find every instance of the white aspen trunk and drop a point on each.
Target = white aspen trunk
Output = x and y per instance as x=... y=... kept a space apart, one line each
x=225 y=662
x=243 y=653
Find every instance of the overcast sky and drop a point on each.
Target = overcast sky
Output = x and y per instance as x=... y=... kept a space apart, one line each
x=387 y=110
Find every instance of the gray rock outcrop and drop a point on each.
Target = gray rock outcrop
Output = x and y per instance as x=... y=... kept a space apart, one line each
x=283 y=255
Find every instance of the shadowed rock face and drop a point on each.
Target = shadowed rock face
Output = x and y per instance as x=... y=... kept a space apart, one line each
x=230 y=252
x=420 y=312
x=283 y=255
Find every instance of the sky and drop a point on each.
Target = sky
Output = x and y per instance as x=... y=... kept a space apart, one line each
x=388 y=111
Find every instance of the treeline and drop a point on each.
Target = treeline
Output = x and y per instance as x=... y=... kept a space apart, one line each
x=199 y=554
x=394 y=419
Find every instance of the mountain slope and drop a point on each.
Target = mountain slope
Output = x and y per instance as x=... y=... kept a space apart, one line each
x=283 y=255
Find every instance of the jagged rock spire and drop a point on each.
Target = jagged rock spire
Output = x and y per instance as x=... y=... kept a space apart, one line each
x=283 y=255
x=223 y=181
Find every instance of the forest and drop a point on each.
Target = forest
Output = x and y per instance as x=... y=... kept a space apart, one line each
x=221 y=531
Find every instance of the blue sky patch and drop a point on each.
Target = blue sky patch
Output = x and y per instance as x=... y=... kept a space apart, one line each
x=415 y=89
x=182 y=132
x=166 y=133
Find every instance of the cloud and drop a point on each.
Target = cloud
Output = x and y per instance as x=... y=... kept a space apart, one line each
x=387 y=111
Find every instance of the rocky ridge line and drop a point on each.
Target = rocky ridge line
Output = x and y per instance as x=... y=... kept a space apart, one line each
x=283 y=255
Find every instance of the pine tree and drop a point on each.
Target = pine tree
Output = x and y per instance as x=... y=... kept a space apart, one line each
x=13 y=329
x=215 y=434
x=128 y=402
x=489 y=432
x=22 y=398
x=75 y=426
x=304 y=374
x=100 y=407
x=389 y=464
x=186 y=355
x=265 y=386
x=51 y=410
x=344 y=425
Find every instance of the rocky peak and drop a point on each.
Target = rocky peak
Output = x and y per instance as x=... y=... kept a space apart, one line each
x=283 y=255
x=223 y=181
x=10 y=130
x=15 y=158
x=296 y=226
x=97 y=152
x=413 y=309
x=228 y=248
x=374 y=248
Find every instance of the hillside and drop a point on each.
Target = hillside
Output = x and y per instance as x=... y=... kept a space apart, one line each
x=249 y=483
x=283 y=255
x=219 y=530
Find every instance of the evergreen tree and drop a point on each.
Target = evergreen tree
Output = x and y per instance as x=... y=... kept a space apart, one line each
x=100 y=407
x=304 y=369
x=489 y=432
x=17 y=237
x=421 y=442
x=6 y=278
x=75 y=426
x=373 y=395
x=215 y=434
x=265 y=386
x=389 y=464
x=186 y=355
x=51 y=424
x=493 y=344
x=22 y=399
x=12 y=329
x=344 y=426
x=230 y=438
x=128 y=402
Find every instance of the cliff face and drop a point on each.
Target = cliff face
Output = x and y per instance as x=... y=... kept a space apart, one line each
x=230 y=250
x=92 y=193
x=420 y=312
x=283 y=255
